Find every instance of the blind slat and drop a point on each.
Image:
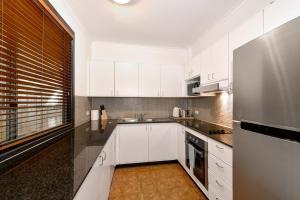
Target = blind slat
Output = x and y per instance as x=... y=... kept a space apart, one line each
x=35 y=71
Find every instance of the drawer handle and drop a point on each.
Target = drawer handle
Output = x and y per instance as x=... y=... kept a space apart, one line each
x=219 y=147
x=104 y=155
x=101 y=158
x=220 y=166
x=219 y=183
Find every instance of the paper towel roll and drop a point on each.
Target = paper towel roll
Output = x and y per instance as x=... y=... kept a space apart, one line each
x=94 y=115
x=94 y=125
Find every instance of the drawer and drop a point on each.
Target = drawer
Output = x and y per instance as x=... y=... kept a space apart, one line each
x=213 y=196
x=218 y=187
x=220 y=169
x=221 y=151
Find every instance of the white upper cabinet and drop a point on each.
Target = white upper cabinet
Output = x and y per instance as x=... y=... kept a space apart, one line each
x=249 y=30
x=172 y=77
x=149 y=80
x=126 y=79
x=214 y=62
x=220 y=59
x=205 y=65
x=162 y=142
x=101 y=79
x=193 y=68
x=280 y=12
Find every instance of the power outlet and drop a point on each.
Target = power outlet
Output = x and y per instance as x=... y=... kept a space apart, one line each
x=196 y=112
x=87 y=113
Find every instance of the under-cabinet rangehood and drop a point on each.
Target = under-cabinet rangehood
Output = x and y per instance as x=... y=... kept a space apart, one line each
x=212 y=87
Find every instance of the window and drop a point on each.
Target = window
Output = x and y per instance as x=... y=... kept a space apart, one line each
x=35 y=71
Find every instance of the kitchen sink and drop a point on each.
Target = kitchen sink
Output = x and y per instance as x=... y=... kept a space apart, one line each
x=133 y=120
x=130 y=120
x=147 y=120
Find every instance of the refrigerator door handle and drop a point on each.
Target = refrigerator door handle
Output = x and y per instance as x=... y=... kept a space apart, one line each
x=286 y=133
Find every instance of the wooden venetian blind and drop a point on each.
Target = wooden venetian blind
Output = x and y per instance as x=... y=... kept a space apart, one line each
x=35 y=71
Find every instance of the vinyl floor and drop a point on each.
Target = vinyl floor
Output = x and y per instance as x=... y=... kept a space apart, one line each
x=154 y=182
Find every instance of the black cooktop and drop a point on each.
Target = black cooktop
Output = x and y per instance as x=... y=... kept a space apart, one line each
x=207 y=127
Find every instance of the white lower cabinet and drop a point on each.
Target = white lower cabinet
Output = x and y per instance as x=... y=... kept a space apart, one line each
x=147 y=142
x=181 y=145
x=162 y=141
x=133 y=143
x=219 y=171
x=96 y=185
x=219 y=188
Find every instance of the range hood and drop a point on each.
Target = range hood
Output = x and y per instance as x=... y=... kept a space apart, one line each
x=212 y=87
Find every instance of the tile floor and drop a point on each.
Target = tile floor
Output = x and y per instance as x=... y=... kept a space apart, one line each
x=154 y=182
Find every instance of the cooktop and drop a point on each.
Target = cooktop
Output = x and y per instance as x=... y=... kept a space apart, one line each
x=207 y=127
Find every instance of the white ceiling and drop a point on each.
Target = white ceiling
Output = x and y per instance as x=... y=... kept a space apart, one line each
x=173 y=23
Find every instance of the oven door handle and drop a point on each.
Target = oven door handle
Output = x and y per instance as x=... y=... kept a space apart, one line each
x=199 y=151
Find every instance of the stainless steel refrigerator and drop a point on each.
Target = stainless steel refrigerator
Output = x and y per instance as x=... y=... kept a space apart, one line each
x=266 y=98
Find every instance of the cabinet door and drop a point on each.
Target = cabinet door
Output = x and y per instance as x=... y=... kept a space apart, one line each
x=206 y=65
x=101 y=78
x=249 y=30
x=181 y=145
x=280 y=12
x=127 y=79
x=162 y=142
x=94 y=186
x=133 y=144
x=188 y=71
x=172 y=77
x=149 y=80
x=220 y=59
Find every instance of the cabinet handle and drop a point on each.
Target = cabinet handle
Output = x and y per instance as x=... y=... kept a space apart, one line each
x=219 y=183
x=219 y=147
x=208 y=76
x=101 y=158
x=213 y=75
x=146 y=127
x=150 y=128
x=220 y=166
x=104 y=155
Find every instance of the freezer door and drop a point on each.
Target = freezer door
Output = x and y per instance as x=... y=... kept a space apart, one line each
x=264 y=167
x=266 y=74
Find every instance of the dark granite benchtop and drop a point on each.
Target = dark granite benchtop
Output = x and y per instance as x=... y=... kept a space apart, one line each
x=57 y=171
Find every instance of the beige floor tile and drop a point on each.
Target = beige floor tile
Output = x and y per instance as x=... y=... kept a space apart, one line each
x=154 y=182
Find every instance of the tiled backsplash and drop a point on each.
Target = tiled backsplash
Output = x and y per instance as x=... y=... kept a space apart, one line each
x=127 y=107
x=82 y=105
x=214 y=109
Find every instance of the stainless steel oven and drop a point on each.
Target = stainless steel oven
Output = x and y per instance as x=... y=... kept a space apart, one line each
x=197 y=158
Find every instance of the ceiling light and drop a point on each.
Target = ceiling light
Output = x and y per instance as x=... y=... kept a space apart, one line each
x=121 y=1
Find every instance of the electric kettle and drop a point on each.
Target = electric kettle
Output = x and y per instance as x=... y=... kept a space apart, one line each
x=176 y=112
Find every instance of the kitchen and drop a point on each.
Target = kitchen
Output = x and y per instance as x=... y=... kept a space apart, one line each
x=120 y=99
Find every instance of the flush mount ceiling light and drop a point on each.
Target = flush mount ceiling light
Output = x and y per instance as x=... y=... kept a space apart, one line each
x=121 y=1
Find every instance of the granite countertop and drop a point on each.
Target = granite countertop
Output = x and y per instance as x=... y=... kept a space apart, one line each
x=223 y=138
x=193 y=124
x=57 y=171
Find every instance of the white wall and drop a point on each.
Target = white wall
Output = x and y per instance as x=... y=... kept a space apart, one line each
x=140 y=54
x=244 y=11
x=82 y=45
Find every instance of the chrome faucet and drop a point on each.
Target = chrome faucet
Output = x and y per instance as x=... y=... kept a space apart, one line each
x=141 y=116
